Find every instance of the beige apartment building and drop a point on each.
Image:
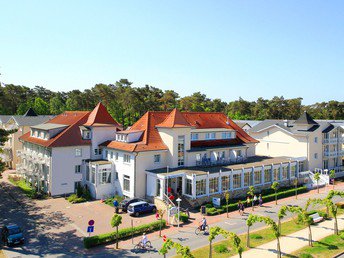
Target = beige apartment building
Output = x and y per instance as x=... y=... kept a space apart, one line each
x=320 y=142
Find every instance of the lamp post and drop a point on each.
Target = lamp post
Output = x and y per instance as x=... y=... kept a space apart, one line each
x=178 y=201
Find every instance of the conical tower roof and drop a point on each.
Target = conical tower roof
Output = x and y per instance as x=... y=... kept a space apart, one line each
x=30 y=112
x=305 y=119
x=100 y=117
x=174 y=119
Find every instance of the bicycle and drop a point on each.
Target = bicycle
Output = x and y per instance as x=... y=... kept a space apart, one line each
x=139 y=246
x=199 y=230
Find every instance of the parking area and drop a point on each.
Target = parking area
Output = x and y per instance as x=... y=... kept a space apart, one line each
x=54 y=226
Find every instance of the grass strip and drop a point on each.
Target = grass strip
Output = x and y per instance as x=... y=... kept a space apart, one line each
x=24 y=187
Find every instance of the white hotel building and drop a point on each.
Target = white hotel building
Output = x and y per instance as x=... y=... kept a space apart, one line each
x=197 y=154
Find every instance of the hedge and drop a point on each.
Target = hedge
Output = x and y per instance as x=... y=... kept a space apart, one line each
x=122 y=234
x=211 y=211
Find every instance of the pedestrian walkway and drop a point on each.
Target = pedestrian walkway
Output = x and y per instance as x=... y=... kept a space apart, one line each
x=295 y=241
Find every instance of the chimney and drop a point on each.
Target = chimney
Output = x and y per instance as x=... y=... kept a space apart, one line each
x=286 y=123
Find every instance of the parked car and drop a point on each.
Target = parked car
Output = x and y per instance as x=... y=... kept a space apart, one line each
x=126 y=202
x=137 y=208
x=12 y=234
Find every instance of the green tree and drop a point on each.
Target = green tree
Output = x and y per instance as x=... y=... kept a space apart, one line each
x=281 y=214
x=317 y=178
x=332 y=176
x=40 y=106
x=227 y=197
x=56 y=105
x=275 y=186
x=161 y=215
x=251 y=193
x=184 y=251
x=115 y=222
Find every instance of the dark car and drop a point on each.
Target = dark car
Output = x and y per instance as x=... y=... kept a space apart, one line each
x=126 y=202
x=11 y=235
x=137 y=208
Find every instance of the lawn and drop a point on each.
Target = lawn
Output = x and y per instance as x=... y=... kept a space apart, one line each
x=257 y=238
x=325 y=248
x=27 y=190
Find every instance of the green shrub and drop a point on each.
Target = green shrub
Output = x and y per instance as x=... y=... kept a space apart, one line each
x=109 y=201
x=256 y=236
x=209 y=205
x=183 y=217
x=73 y=198
x=306 y=256
x=122 y=234
x=221 y=248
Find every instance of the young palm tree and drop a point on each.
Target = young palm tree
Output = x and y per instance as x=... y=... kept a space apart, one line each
x=317 y=178
x=275 y=186
x=115 y=222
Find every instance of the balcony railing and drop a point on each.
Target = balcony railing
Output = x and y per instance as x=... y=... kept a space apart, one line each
x=330 y=141
x=330 y=153
x=205 y=162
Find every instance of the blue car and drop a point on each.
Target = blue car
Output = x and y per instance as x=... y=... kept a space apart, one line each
x=137 y=208
x=12 y=234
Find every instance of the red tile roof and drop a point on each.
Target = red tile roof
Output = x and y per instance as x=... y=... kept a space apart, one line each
x=70 y=136
x=101 y=117
x=151 y=139
x=174 y=119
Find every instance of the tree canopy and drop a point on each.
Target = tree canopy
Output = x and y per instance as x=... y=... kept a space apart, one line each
x=127 y=103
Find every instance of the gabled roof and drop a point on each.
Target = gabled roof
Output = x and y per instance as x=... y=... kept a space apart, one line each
x=4 y=118
x=101 y=117
x=70 y=136
x=305 y=119
x=30 y=112
x=31 y=120
x=151 y=121
x=174 y=119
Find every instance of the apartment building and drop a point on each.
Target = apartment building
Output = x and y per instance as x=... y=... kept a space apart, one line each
x=195 y=154
x=55 y=154
x=320 y=142
x=22 y=125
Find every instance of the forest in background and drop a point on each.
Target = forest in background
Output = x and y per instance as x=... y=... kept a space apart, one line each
x=127 y=103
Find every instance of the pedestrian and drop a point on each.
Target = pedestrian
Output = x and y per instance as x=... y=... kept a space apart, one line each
x=115 y=204
x=260 y=199
x=240 y=208
x=255 y=200
x=248 y=201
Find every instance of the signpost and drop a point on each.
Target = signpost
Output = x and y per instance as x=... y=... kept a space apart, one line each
x=216 y=202
x=90 y=227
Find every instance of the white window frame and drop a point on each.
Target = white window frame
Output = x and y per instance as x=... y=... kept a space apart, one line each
x=157 y=158
x=77 y=169
x=194 y=136
x=126 y=158
x=210 y=136
x=126 y=178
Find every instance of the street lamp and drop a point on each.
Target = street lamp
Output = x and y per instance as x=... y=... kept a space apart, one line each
x=178 y=201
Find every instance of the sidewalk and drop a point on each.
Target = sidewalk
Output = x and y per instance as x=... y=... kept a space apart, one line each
x=295 y=241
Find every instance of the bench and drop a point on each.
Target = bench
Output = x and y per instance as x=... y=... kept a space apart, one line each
x=316 y=218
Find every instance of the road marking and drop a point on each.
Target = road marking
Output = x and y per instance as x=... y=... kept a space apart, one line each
x=78 y=229
x=229 y=223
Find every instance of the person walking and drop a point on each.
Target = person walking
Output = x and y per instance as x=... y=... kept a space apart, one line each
x=260 y=199
x=241 y=208
x=115 y=204
x=248 y=201
x=255 y=200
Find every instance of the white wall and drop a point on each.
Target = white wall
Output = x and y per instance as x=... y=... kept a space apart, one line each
x=100 y=135
x=63 y=165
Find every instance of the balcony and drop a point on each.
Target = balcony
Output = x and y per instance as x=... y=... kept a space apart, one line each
x=330 y=141
x=206 y=162
x=330 y=153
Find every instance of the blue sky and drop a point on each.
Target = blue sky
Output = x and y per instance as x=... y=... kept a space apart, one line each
x=224 y=49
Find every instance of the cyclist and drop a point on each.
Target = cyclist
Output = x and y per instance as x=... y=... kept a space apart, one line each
x=144 y=240
x=203 y=223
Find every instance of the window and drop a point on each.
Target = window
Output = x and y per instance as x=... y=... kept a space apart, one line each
x=238 y=153
x=316 y=139
x=276 y=174
x=198 y=157
x=78 y=169
x=226 y=135
x=181 y=150
x=292 y=170
x=93 y=175
x=316 y=155
x=188 y=187
x=236 y=181
x=116 y=175
x=158 y=187
x=194 y=136
x=111 y=154
x=105 y=176
x=284 y=173
x=210 y=136
x=201 y=187
x=87 y=173
x=97 y=151
x=268 y=133
x=126 y=158
x=213 y=185
x=301 y=166
x=325 y=165
x=77 y=185
x=247 y=179
x=126 y=183
x=106 y=154
x=225 y=183
x=267 y=174
x=157 y=158
x=87 y=134
x=257 y=177
x=78 y=153
x=116 y=156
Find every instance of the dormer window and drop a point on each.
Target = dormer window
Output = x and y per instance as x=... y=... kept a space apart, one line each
x=227 y=135
x=194 y=136
x=86 y=134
